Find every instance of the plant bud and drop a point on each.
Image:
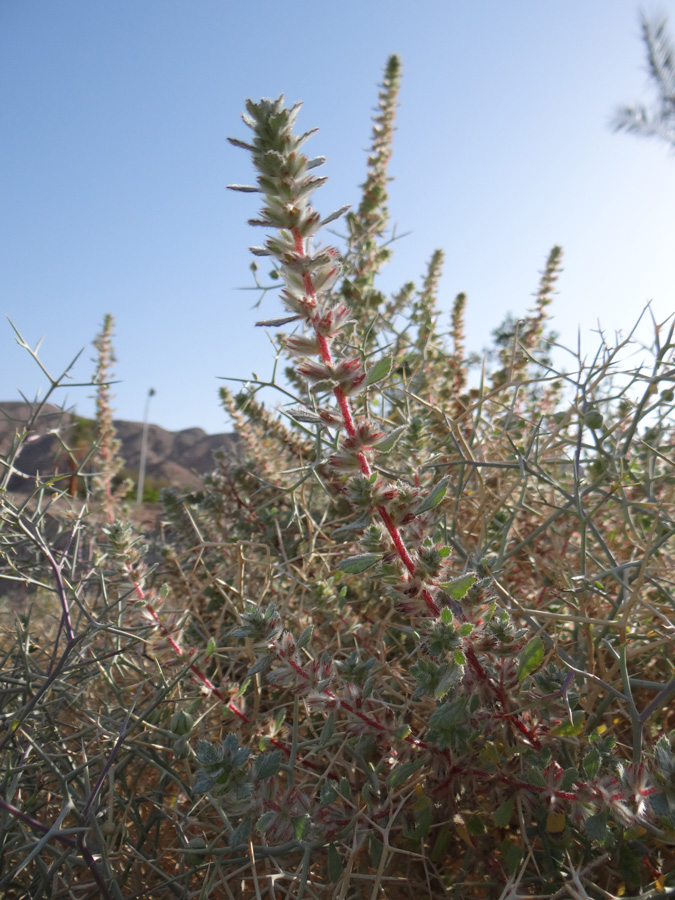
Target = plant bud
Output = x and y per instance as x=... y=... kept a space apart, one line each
x=194 y=859
x=593 y=419
x=181 y=748
x=181 y=722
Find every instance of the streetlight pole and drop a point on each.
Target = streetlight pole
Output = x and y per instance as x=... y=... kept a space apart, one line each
x=144 y=447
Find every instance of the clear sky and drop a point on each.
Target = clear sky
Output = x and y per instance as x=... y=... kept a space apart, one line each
x=114 y=161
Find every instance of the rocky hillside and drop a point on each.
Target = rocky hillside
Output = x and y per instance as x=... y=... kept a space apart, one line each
x=173 y=458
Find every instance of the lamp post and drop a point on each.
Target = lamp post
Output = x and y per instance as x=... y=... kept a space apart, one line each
x=144 y=447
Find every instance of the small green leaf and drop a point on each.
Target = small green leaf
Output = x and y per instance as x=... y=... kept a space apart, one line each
x=335 y=866
x=458 y=588
x=503 y=813
x=596 y=827
x=423 y=819
x=328 y=794
x=376 y=848
x=203 y=782
x=368 y=794
x=244 y=686
x=530 y=658
x=512 y=855
x=267 y=766
x=301 y=825
x=385 y=444
x=304 y=415
x=345 y=788
x=434 y=497
x=241 y=833
x=441 y=845
x=592 y=762
x=535 y=776
x=209 y=754
x=403 y=772
x=336 y=212
x=475 y=826
x=305 y=637
x=328 y=730
x=260 y=666
x=357 y=564
x=569 y=776
x=379 y=371
x=573 y=728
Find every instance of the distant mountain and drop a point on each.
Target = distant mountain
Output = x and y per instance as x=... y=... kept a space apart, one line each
x=176 y=458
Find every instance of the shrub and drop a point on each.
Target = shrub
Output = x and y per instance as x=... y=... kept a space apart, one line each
x=416 y=637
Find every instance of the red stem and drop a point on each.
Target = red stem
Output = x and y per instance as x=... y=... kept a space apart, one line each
x=348 y=420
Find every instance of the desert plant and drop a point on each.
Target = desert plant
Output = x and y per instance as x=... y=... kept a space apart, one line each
x=106 y=462
x=416 y=635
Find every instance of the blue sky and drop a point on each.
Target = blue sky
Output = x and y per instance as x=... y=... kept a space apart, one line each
x=113 y=129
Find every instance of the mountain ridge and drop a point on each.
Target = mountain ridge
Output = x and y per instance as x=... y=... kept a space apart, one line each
x=177 y=458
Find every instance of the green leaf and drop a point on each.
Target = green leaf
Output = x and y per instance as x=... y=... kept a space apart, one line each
x=376 y=848
x=596 y=827
x=512 y=855
x=434 y=497
x=659 y=803
x=328 y=794
x=368 y=794
x=357 y=564
x=535 y=776
x=403 y=772
x=573 y=728
x=592 y=762
x=241 y=834
x=301 y=825
x=345 y=788
x=305 y=415
x=441 y=845
x=504 y=812
x=385 y=444
x=260 y=666
x=208 y=754
x=331 y=217
x=458 y=588
x=267 y=766
x=203 y=782
x=335 y=867
x=423 y=819
x=569 y=776
x=328 y=730
x=305 y=637
x=530 y=658
x=380 y=370
x=475 y=826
